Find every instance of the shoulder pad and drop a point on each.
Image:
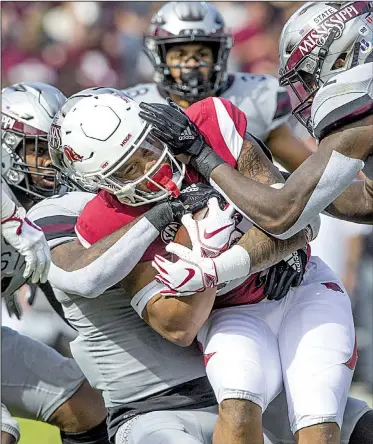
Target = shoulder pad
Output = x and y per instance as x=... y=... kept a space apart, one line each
x=145 y=92
x=343 y=99
x=266 y=104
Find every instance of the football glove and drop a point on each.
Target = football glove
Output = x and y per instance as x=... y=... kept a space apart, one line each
x=287 y=274
x=29 y=240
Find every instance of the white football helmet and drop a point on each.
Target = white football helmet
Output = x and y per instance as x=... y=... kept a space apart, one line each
x=27 y=112
x=107 y=145
x=188 y=22
x=321 y=40
x=65 y=173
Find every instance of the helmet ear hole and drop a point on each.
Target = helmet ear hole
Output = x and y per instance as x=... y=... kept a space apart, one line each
x=339 y=61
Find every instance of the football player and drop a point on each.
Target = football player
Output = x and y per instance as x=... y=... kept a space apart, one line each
x=135 y=171
x=54 y=390
x=26 y=237
x=188 y=44
x=326 y=51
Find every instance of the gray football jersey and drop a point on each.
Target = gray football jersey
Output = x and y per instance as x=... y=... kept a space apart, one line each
x=116 y=350
x=342 y=100
x=265 y=103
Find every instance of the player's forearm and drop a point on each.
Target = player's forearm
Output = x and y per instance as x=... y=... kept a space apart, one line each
x=265 y=251
x=308 y=191
x=355 y=204
x=179 y=319
x=89 y=272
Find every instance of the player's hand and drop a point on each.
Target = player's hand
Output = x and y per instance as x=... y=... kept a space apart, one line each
x=189 y=275
x=286 y=274
x=195 y=197
x=173 y=127
x=214 y=234
x=13 y=303
x=195 y=269
x=28 y=239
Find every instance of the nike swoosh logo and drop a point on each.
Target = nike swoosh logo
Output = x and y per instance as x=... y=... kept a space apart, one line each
x=207 y=235
x=191 y=273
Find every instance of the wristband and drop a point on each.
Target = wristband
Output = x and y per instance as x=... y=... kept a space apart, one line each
x=233 y=264
x=160 y=216
x=206 y=161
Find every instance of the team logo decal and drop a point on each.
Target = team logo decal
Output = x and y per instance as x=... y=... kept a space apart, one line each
x=169 y=233
x=365 y=46
x=54 y=136
x=318 y=35
x=71 y=155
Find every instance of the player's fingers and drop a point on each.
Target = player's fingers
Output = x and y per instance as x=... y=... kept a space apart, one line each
x=191 y=226
x=45 y=272
x=187 y=220
x=39 y=267
x=149 y=108
x=229 y=210
x=179 y=250
x=162 y=135
x=169 y=292
x=159 y=265
x=30 y=259
x=285 y=284
x=213 y=205
x=162 y=280
x=269 y=285
x=283 y=279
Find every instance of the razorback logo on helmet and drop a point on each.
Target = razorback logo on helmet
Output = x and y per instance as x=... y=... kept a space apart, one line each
x=318 y=36
x=71 y=155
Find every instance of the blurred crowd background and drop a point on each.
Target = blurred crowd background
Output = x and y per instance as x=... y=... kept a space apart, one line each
x=76 y=45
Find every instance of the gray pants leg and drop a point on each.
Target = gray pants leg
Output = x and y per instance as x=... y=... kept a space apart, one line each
x=170 y=427
x=35 y=379
x=173 y=427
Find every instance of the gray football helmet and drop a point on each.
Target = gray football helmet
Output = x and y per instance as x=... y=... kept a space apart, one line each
x=27 y=112
x=319 y=41
x=187 y=22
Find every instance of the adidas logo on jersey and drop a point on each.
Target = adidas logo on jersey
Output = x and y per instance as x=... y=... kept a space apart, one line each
x=186 y=135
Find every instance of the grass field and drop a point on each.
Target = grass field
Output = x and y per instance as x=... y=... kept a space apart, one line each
x=33 y=432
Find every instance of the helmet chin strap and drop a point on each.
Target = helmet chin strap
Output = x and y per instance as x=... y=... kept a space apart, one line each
x=163 y=177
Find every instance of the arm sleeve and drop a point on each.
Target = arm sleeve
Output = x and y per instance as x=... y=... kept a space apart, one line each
x=9 y=424
x=110 y=268
x=141 y=298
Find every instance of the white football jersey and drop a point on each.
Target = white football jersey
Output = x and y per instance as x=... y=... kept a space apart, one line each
x=265 y=103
